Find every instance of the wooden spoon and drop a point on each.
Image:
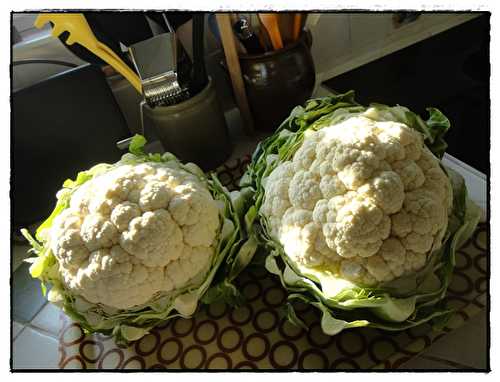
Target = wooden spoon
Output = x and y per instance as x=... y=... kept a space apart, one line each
x=270 y=23
x=297 y=26
x=285 y=21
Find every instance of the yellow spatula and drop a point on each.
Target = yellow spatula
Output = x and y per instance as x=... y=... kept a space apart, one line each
x=80 y=32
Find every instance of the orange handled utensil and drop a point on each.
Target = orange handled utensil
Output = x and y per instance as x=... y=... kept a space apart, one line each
x=297 y=26
x=270 y=23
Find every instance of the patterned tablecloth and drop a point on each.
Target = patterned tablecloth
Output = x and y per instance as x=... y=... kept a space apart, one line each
x=257 y=336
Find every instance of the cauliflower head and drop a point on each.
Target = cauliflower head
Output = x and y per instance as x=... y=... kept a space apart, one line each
x=134 y=232
x=364 y=199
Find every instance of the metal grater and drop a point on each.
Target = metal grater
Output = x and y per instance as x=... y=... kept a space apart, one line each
x=155 y=60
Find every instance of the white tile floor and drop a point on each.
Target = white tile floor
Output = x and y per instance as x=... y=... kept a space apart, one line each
x=16 y=329
x=34 y=350
x=47 y=320
x=35 y=342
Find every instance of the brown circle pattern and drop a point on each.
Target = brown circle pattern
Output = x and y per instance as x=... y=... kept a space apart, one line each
x=274 y=296
x=252 y=343
x=246 y=365
x=479 y=301
x=290 y=331
x=112 y=359
x=182 y=327
x=214 y=362
x=456 y=302
x=189 y=359
x=351 y=343
x=165 y=349
x=313 y=359
x=480 y=262
x=460 y=284
x=87 y=350
x=481 y=285
x=252 y=290
x=382 y=347
x=227 y=335
x=130 y=363
x=62 y=354
x=317 y=338
x=200 y=333
x=147 y=344
x=344 y=364
x=245 y=311
x=256 y=336
x=479 y=238
x=265 y=320
x=70 y=332
x=73 y=362
x=216 y=310
x=157 y=366
x=162 y=326
x=283 y=355
x=462 y=261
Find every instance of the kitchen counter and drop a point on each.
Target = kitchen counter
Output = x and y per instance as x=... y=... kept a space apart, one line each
x=37 y=325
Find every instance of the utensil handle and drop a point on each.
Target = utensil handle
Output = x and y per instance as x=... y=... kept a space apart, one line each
x=247 y=36
x=110 y=57
x=270 y=23
x=297 y=26
x=199 y=75
x=234 y=69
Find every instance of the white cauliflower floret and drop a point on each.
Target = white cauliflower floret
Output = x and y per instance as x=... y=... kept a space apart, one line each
x=97 y=231
x=364 y=198
x=410 y=173
x=123 y=213
x=304 y=190
x=360 y=228
x=155 y=195
x=153 y=237
x=135 y=232
x=307 y=155
x=276 y=187
x=331 y=185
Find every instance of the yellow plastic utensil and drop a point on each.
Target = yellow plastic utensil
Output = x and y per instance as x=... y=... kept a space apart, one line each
x=80 y=32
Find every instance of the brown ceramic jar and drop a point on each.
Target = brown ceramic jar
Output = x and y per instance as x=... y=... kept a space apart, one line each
x=278 y=81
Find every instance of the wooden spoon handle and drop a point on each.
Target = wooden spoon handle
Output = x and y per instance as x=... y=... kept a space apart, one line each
x=297 y=26
x=270 y=23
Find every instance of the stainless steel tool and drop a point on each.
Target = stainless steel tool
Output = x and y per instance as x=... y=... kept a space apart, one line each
x=156 y=62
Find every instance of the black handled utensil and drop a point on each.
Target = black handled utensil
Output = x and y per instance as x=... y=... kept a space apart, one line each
x=246 y=35
x=199 y=77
